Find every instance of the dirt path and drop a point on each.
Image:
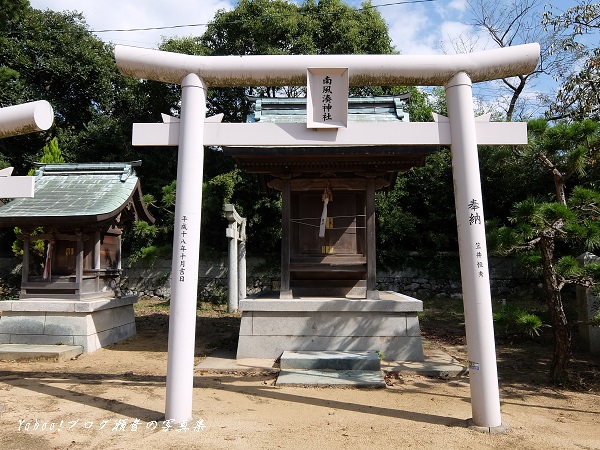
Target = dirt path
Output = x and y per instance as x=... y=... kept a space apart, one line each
x=114 y=399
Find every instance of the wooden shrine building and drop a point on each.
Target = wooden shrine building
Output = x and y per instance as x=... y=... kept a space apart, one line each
x=81 y=210
x=328 y=238
x=328 y=198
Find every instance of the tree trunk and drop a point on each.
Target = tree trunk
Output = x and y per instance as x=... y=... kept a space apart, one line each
x=558 y=320
x=517 y=90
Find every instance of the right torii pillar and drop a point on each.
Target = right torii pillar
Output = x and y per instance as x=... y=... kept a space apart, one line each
x=477 y=301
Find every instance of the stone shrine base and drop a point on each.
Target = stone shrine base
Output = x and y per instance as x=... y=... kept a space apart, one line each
x=91 y=324
x=389 y=325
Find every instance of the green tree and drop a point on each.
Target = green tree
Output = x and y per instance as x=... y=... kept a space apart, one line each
x=57 y=59
x=11 y=10
x=514 y=22
x=418 y=213
x=550 y=231
x=53 y=56
x=50 y=154
x=578 y=98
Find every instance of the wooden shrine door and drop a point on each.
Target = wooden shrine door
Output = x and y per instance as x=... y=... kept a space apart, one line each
x=345 y=225
x=333 y=265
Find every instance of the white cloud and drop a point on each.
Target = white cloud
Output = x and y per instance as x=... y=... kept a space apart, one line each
x=127 y=14
x=459 y=5
x=412 y=29
x=429 y=28
x=457 y=37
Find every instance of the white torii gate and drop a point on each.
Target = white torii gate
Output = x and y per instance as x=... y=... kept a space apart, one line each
x=22 y=119
x=455 y=72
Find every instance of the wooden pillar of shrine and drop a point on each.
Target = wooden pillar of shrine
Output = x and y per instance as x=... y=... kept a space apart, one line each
x=97 y=250
x=286 y=221
x=370 y=241
x=79 y=261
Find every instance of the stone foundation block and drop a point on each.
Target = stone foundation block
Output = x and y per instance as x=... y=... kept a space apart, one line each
x=390 y=325
x=92 y=324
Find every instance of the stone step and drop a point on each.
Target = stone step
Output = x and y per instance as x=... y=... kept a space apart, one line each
x=330 y=360
x=331 y=378
x=16 y=352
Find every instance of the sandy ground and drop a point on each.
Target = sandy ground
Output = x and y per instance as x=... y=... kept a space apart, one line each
x=114 y=399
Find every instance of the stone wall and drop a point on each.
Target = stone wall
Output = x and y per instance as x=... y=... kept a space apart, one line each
x=154 y=279
x=506 y=278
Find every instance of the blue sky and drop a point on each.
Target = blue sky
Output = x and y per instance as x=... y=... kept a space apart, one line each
x=416 y=28
x=424 y=27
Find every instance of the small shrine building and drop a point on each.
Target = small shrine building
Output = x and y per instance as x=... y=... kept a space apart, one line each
x=71 y=294
x=328 y=298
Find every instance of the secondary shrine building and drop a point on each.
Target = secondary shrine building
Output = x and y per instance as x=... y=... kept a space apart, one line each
x=70 y=294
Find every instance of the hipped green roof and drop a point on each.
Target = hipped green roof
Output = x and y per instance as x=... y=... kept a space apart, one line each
x=360 y=109
x=78 y=194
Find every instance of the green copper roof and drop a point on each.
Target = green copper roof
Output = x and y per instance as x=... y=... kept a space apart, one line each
x=360 y=109
x=77 y=193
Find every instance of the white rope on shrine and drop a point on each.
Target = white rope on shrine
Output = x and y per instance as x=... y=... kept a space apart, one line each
x=323 y=216
x=326 y=197
x=300 y=221
x=332 y=228
x=331 y=217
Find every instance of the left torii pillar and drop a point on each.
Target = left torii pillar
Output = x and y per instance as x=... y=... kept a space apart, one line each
x=186 y=249
x=16 y=120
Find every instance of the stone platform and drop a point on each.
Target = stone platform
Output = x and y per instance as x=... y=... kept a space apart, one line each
x=31 y=352
x=91 y=324
x=436 y=364
x=389 y=325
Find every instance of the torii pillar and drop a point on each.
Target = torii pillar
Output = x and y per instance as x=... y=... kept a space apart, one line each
x=477 y=300
x=262 y=70
x=186 y=251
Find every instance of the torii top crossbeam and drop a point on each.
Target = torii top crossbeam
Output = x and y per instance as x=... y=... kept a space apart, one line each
x=290 y=70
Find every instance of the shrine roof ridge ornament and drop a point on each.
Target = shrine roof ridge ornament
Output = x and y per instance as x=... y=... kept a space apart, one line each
x=364 y=70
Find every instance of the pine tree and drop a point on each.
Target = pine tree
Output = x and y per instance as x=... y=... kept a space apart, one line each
x=52 y=154
x=568 y=152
